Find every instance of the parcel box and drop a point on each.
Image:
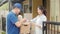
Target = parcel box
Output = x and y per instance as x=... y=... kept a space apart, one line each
x=25 y=28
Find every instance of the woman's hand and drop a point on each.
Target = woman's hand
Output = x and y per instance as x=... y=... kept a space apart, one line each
x=40 y=26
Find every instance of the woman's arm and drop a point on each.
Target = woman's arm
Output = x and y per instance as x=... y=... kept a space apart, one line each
x=34 y=19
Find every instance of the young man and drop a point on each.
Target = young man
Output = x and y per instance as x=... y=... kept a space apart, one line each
x=13 y=25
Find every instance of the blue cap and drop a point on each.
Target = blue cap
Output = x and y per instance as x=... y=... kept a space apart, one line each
x=18 y=5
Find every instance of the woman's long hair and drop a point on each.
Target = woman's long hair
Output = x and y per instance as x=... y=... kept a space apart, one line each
x=42 y=9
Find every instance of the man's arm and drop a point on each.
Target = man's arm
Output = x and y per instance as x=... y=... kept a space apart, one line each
x=15 y=21
x=19 y=23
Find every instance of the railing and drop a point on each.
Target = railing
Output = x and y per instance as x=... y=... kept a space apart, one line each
x=51 y=27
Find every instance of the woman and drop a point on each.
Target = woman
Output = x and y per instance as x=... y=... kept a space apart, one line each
x=38 y=21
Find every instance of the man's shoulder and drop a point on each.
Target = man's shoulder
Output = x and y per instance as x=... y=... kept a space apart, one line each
x=10 y=13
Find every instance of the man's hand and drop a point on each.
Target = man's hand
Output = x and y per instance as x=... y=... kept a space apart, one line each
x=19 y=23
x=23 y=20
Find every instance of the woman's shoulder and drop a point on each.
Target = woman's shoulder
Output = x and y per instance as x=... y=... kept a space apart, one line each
x=44 y=17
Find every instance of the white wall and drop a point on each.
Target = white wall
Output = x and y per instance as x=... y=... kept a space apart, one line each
x=28 y=16
x=54 y=10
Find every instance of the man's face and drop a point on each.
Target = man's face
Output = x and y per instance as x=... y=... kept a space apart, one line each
x=17 y=11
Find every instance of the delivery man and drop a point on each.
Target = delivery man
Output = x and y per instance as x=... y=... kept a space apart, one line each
x=12 y=23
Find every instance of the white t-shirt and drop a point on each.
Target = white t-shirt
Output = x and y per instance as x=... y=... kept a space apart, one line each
x=39 y=21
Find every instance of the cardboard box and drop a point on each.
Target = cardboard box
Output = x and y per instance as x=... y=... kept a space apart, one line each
x=25 y=28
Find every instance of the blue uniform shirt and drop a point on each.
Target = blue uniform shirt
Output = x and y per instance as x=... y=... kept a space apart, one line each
x=11 y=20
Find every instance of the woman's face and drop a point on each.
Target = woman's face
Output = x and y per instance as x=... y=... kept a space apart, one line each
x=39 y=11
